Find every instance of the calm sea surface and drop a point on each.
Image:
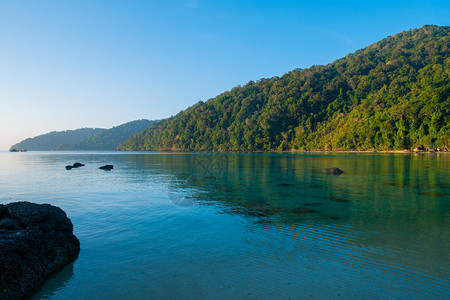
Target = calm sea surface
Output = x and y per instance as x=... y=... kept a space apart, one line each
x=244 y=226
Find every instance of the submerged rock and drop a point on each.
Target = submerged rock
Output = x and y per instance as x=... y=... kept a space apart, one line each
x=303 y=210
x=36 y=240
x=286 y=184
x=338 y=199
x=313 y=204
x=106 y=167
x=332 y=171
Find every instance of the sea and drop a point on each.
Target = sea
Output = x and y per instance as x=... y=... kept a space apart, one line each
x=244 y=225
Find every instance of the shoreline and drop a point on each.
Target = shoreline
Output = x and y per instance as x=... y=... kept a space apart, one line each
x=405 y=151
x=369 y=151
x=254 y=151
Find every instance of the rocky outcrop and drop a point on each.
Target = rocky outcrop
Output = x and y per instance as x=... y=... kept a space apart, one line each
x=419 y=148
x=36 y=240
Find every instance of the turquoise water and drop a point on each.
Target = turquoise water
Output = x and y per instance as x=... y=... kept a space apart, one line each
x=244 y=226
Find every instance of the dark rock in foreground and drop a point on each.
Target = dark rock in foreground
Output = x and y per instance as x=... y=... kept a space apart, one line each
x=332 y=171
x=106 y=167
x=36 y=240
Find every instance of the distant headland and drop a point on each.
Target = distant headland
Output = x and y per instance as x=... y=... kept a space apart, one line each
x=83 y=138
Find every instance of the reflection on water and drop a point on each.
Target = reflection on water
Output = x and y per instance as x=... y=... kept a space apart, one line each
x=246 y=225
x=56 y=283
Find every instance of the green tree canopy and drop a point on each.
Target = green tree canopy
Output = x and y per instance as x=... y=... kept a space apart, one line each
x=393 y=94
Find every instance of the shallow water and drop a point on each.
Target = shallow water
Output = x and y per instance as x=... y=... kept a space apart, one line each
x=256 y=226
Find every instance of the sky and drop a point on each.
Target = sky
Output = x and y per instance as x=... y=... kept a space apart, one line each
x=74 y=64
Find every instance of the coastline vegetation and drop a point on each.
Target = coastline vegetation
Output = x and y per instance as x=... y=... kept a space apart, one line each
x=391 y=95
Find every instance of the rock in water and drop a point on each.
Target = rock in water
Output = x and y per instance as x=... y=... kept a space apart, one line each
x=106 y=167
x=36 y=240
x=77 y=165
x=332 y=171
x=69 y=167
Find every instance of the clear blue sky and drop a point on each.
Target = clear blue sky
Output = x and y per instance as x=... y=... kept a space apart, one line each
x=72 y=64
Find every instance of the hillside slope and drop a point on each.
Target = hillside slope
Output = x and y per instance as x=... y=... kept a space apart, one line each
x=393 y=94
x=109 y=139
x=51 y=140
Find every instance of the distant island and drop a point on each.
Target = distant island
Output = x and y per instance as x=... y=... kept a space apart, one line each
x=391 y=95
x=51 y=140
x=109 y=139
x=84 y=138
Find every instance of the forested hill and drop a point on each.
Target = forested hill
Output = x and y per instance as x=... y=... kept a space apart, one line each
x=51 y=140
x=109 y=139
x=393 y=94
